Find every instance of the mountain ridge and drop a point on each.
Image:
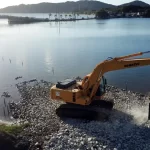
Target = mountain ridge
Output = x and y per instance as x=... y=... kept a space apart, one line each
x=136 y=3
x=46 y=7
x=69 y=6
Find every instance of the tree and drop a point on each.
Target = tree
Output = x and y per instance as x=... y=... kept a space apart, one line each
x=70 y=16
x=102 y=14
x=147 y=13
x=66 y=15
x=50 y=16
x=60 y=16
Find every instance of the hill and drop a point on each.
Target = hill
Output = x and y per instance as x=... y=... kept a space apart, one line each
x=136 y=3
x=68 y=6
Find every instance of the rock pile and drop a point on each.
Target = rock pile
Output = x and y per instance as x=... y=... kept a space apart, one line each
x=37 y=110
x=126 y=129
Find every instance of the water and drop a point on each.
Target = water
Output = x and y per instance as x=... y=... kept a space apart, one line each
x=71 y=49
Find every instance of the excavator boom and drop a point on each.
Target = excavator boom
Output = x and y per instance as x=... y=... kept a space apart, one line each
x=91 y=84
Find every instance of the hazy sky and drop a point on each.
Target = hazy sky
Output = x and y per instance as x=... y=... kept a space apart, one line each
x=4 y=3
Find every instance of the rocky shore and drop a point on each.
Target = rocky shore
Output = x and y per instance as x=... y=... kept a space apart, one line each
x=126 y=129
x=11 y=142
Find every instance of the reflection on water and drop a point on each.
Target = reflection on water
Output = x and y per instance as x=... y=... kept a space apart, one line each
x=72 y=49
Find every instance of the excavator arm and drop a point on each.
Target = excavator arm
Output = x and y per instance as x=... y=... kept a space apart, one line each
x=84 y=92
x=91 y=82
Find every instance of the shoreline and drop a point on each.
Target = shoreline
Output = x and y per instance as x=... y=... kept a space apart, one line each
x=28 y=20
x=47 y=131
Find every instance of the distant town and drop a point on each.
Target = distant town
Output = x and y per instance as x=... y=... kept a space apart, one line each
x=126 y=15
x=124 y=12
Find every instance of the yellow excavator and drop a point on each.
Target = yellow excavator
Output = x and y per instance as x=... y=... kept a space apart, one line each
x=84 y=99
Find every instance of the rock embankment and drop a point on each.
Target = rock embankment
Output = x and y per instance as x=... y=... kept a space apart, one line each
x=37 y=110
x=127 y=127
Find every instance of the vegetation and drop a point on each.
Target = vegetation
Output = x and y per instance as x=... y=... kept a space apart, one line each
x=102 y=14
x=131 y=8
x=12 y=129
x=128 y=9
x=147 y=14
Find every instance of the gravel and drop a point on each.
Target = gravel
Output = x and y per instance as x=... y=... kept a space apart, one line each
x=37 y=111
x=126 y=129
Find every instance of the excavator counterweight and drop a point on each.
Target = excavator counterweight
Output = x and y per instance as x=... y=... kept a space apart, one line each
x=84 y=99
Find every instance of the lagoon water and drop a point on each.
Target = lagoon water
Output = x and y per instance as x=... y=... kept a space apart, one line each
x=72 y=49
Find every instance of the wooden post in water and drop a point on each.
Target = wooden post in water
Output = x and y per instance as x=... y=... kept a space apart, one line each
x=8 y=110
x=126 y=87
x=53 y=70
x=4 y=111
x=4 y=102
x=149 y=112
x=10 y=61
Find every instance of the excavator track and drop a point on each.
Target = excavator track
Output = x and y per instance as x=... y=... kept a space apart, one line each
x=94 y=111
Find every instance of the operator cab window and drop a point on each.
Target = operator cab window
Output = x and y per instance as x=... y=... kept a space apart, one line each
x=103 y=86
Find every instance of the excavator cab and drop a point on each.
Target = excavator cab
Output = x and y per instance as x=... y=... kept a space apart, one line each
x=102 y=87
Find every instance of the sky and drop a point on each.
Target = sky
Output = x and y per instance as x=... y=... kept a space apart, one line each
x=5 y=3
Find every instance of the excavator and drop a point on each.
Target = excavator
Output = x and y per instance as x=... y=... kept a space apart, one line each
x=85 y=98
